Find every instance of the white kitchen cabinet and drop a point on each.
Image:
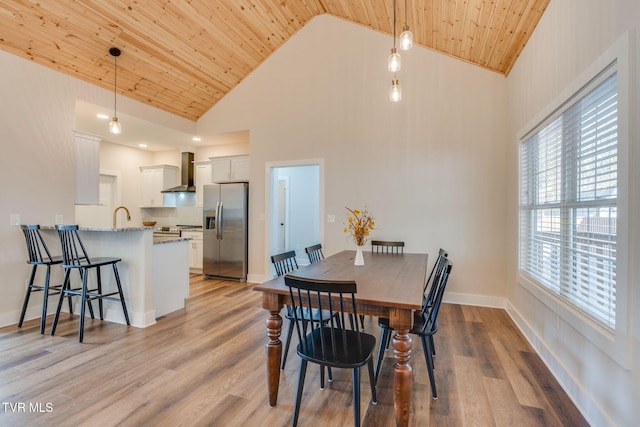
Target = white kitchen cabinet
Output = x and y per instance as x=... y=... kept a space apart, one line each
x=203 y=177
x=229 y=169
x=195 y=249
x=154 y=180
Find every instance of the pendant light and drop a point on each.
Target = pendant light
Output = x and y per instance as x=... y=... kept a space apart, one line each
x=395 y=91
x=394 y=58
x=114 y=125
x=406 y=37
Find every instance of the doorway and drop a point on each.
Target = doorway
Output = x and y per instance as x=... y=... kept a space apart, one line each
x=295 y=208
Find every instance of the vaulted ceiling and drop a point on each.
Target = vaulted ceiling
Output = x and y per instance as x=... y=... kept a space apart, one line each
x=183 y=56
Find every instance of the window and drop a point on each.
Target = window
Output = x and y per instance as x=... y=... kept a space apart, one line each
x=569 y=200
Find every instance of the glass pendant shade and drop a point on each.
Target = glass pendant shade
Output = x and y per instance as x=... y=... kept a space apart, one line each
x=395 y=92
x=394 y=60
x=406 y=38
x=114 y=126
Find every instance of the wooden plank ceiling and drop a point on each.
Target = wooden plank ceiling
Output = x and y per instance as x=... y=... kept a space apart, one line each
x=183 y=56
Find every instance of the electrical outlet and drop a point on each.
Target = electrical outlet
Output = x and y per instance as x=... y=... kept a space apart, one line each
x=14 y=219
x=59 y=219
x=331 y=218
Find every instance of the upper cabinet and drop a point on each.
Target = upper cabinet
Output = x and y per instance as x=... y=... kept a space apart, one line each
x=202 y=177
x=229 y=169
x=154 y=180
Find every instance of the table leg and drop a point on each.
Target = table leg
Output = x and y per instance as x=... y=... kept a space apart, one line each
x=402 y=375
x=274 y=355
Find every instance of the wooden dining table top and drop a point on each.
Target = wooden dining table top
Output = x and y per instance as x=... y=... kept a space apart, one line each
x=385 y=280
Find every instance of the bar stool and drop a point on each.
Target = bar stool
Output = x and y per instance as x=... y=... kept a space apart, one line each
x=39 y=254
x=75 y=256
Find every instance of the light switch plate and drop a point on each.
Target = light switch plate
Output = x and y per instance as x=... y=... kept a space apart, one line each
x=331 y=218
x=14 y=219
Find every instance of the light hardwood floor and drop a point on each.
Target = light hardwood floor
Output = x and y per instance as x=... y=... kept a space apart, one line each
x=205 y=366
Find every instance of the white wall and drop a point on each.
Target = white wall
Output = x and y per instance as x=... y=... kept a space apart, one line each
x=570 y=37
x=431 y=168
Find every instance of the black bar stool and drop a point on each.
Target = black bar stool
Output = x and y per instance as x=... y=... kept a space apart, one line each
x=38 y=254
x=75 y=256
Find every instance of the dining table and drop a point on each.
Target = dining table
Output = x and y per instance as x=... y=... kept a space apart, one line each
x=389 y=285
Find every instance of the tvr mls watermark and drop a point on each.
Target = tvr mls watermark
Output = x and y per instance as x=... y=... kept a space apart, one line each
x=13 y=407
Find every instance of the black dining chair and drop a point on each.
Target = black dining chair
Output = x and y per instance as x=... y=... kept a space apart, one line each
x=38 y=255
x=314 y=253
x=428 y=293
x=385 y=246
x=330 y=344
x=425 y=325
x=74 y=256
x=286 y=263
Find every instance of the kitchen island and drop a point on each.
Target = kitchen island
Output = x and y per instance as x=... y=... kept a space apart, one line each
x=154 y=270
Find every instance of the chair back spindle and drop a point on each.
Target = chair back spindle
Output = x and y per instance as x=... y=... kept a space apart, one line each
x=36 y=245
x=429 y=293
x=314 y=253
x=284 y=263
x=387 y=247
x=73 y=250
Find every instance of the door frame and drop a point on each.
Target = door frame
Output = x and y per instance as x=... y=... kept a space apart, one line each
x=269 y=197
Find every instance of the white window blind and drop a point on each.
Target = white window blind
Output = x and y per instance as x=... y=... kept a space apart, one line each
x=568 y=200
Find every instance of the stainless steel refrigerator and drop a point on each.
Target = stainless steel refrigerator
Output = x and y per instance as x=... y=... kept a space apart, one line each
x=225 y=230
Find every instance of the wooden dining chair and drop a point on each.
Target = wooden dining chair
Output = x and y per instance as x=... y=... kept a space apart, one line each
x=38 y=255
x=428 y=295
x=385 y=246
x=75 y=257
x=286 y=263
x=425 y=325
x=330 y=344
x=314 y=253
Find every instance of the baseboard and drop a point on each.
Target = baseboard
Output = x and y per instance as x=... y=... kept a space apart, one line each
x=479 y=300
x=587 y=406
x=11 y=318
x=33 y=312
x=139 y=320
x=258 y=278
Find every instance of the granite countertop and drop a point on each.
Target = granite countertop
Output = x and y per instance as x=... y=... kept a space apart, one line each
x=139 y=228
x=169 y=239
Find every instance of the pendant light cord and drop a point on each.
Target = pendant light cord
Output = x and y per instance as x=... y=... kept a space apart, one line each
x=394 y=23
x=115 y=85
x=405 y=13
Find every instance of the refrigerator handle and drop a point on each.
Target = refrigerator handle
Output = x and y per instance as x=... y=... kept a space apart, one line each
x=217 y=222
x=221 y=221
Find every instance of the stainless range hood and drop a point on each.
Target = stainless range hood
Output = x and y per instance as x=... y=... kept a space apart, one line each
x=187 y=176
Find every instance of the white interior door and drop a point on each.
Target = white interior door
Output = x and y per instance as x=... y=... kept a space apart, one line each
x=282 y=215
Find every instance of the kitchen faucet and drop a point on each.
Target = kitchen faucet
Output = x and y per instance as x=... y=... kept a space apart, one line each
x=115 y=211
